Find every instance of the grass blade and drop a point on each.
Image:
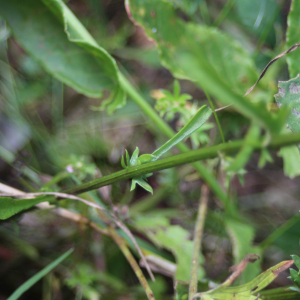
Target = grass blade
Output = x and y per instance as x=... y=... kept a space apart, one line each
x=34 y=279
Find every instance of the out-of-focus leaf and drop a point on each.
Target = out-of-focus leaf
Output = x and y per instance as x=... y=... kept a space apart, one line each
x=173 y=238
x=296 y=259
x=291 y=161
x=187 y=6
x=292 y=35
x=288 y=97
x=10 y=206
x=257 y=15
x=231 y=63
x=204 y=55
x=56 y=39
x=34 y=279
x=241 y=236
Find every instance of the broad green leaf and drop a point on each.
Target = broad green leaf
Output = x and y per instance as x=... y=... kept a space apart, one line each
x=292 y=36
x=10 y=206
x=57 y=40
x=291 y=161
x=231 y=63
x=173 y=238
x=288 y=97
x=257 y=16
x=195 y=123
x=296 y=259
x=204 y=55
x=241 y=236
x=34 y=279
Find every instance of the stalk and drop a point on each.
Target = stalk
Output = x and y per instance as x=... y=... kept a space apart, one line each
x=184 y=158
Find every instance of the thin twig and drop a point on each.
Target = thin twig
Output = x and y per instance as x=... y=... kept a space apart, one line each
x=122 y=245
x=197 y=240
x=92 y=204
x=216 y=117
x=293 y=48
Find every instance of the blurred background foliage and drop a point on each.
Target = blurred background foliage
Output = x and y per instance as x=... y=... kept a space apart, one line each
x=51 y=133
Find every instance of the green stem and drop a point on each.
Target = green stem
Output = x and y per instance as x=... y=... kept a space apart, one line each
x=215 y=114
x=197 y=241
x=167 y=131
x=279 y=231
x=223 y=14
x=180 y=159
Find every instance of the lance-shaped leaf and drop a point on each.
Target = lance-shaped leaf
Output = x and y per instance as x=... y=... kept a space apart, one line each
x=192 y=125
x=34 y=279
x=204 y=55
x=51 y=33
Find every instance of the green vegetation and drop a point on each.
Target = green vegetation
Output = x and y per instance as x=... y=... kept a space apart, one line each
x=142 y=136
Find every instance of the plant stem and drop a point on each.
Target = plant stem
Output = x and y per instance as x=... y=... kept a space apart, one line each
x=123 y=247
x=197 y=241
x=215 y=114
x=167 y=131
x=180 y=159
x=223 y=14
x=279 y=231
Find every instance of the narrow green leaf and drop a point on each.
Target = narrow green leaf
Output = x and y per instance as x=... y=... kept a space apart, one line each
x=134 y=161
x=123 y=162
x=265 y=157
x=195 y=123
x=133 y=184
x=33 y=280
x=141 y=182
x=56 y=39
x=10 y=206
x=127 y=158
x=176 y=89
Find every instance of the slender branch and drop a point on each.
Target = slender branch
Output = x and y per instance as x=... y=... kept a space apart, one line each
x=122 y=245
x=279 y=231
x=199 y=227
x=215 y=114
x=180 y=159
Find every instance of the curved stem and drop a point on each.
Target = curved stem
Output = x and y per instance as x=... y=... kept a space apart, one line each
x=180 y=159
